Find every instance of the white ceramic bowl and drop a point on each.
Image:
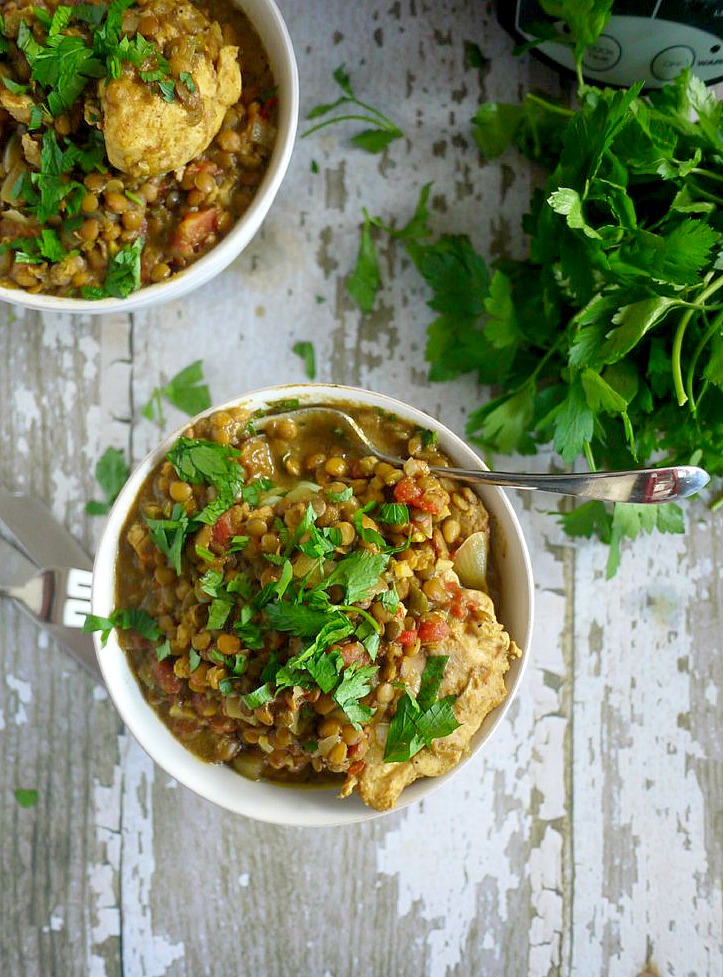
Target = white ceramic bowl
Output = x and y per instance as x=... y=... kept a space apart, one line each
x=270 y=802
x=270 y=26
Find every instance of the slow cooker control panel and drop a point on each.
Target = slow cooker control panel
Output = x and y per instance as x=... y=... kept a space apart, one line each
x=644 y=39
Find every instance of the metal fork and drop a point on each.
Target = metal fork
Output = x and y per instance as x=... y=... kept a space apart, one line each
x=55 y=595
x=58 y=598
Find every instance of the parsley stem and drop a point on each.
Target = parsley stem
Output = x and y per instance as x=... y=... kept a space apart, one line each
x=704 y=193
x=589 y=457
x=699 y=171
x=711 y=289
x=386 y=125
x=548 y=106
x=712 y=329
x=383 y=119
x=353 y=609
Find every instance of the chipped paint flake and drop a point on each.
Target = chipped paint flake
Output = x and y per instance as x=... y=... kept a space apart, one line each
x=144 y=951
x=24 y=693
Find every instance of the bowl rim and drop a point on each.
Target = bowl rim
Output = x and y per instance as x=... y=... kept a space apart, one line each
x=268 y=22
x=263 y=801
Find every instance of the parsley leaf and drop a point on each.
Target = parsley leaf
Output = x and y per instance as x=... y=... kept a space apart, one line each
x=305 y=350
x=186 y=391
x=355 y=684
x=124 y=270
x=364 y=281
x=111 y=473
x=418 y=721
x=26 y=796
x=373 y=140
x=125 y=619
x=358 y=573
x=170 y=535
x=64 y=66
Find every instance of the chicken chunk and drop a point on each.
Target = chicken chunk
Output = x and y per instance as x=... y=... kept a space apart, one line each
x=147 y=136
x=479 y=651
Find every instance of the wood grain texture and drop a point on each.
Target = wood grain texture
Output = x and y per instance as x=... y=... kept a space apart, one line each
x=585 y=841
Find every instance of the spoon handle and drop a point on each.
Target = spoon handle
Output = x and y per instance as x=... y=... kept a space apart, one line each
x=645 y=485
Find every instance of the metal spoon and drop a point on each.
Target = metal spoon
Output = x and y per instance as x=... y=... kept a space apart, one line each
x=647 y=485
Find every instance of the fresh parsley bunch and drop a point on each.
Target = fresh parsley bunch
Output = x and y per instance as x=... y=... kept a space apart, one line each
x=606 y=340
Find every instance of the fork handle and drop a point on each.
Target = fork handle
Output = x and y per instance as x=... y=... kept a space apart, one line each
x=645 y=485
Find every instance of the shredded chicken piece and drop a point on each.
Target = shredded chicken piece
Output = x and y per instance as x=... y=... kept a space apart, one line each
x=18 y=105
x=145 y=135
x=479 y=651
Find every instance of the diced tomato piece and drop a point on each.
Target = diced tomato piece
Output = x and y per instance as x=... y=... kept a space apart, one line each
x=222 y=530
x=407 y=491
x=194 y=230
x=408 y=637
x=433 y=630
x=356 y=767
x=167 y=679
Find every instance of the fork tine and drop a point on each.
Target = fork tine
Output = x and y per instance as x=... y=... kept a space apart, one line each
x=74 y=612
x=80 y=583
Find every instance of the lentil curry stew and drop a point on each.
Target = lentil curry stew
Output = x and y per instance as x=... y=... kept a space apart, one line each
x=134 y=133
x=307 y=613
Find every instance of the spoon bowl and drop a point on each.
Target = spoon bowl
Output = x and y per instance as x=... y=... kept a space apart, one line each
x=643 y=485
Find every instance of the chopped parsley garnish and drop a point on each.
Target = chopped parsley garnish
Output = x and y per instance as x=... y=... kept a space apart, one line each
x=429 y=438
x=123 y=275
x=344 y=496
x=418 y=721
x=125 y=619
x=170 y=535
x=63 y=66
x=393 y=513
x=199 y=461
x=186 y=78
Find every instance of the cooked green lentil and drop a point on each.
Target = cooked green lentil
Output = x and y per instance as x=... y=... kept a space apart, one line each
x=72 y=224
x=290 y=588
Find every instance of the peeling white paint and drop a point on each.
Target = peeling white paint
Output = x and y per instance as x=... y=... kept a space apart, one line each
x=103 y=876
x=96 y=966
x=24 y=692
x=144 y=951
x=25 y=403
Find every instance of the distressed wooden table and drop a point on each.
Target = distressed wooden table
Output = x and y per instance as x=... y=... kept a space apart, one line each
x=586 y=841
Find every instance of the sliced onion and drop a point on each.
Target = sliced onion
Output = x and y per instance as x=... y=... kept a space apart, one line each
x=301 y=491
x=262 y=132
x=470 y=561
